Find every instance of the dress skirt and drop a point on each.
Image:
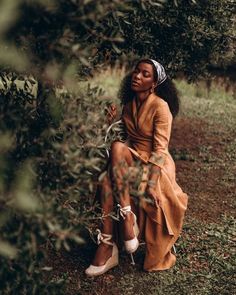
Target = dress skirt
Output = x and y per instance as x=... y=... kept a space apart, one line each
x=159 y=226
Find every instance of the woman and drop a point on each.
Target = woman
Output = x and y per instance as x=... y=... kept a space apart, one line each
x=147 y=117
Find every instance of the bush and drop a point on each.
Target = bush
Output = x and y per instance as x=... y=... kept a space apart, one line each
x=52 y=150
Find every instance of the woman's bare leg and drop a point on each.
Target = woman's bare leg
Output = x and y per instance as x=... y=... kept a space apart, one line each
x=119 y=153
x=121 y=159
x=104 y=251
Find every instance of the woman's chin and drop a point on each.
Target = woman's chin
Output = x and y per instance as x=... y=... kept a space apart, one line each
x=134 y=87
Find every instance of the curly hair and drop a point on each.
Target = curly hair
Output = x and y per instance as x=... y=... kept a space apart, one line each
x=166 y=90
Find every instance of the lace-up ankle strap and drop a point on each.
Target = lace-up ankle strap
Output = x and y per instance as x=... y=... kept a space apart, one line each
x=103 y=238
x=124 y=210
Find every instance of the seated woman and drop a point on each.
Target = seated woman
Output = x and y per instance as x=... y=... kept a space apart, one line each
x=147 y=118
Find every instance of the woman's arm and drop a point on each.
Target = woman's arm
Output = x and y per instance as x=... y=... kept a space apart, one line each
x=161 y=135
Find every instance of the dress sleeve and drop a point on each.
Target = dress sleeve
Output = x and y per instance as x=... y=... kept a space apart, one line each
x=161 y=135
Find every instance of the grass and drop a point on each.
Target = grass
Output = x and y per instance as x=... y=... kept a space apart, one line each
x=205 y=265
x=109 y=79
x=199 y=90
x=217 y=107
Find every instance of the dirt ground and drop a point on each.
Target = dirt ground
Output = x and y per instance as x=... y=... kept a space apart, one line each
x=204 y=167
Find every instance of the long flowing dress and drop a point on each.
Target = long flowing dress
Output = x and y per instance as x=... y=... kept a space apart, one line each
x=148 y=133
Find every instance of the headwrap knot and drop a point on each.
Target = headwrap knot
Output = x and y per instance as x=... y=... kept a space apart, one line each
x=161 y=73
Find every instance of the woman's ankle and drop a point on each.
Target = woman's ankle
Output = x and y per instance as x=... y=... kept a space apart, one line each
x=128 y=224
x=103 y=253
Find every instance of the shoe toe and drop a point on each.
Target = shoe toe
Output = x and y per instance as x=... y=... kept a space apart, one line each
x=93 y=270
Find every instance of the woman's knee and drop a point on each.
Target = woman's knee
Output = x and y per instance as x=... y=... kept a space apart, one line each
x=121 y=153
x=118 y=153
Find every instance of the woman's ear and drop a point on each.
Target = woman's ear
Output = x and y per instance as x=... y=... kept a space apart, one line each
x=154 y=85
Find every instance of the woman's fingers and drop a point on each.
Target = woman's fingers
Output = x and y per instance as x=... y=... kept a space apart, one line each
x=111 y=112
x=113 y=107
x=151 y=193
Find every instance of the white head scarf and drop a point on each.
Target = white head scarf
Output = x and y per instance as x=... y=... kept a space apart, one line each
x=161 y=73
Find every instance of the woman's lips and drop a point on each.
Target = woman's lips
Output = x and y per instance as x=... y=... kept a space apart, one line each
x=134 y=83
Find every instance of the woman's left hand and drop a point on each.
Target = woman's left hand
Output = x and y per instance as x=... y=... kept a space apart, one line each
x=111 y=113
x=151 y=193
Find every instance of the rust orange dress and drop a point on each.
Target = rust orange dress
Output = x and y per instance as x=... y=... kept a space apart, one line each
x=148 y=134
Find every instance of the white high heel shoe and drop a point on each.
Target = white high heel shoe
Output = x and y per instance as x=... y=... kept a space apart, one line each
x=131 y=245
x=94 y=270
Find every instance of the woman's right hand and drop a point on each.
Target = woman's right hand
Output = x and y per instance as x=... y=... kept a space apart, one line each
x=111 y=113
x=152 y=195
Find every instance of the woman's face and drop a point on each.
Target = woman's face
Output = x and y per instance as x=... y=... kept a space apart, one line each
x=142 y=78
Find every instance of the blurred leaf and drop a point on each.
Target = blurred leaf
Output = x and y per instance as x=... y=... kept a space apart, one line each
x=10 y=56
x=23 y=196
x=8 y=14
x=6 y=142
x=78 y=239
x=47 y=268
x=7 y=250
x=55 y=107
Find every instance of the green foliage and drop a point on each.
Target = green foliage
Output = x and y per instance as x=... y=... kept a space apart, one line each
x=52 y=151
x=215 y=104
x=187 y=36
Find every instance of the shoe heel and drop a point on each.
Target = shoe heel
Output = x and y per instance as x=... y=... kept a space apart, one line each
x=132 y=259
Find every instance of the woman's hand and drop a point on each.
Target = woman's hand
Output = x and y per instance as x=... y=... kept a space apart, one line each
x=151 y=193
x=151 y=185
x=111 y=113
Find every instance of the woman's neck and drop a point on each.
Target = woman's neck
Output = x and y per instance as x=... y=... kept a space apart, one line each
x=141 y=96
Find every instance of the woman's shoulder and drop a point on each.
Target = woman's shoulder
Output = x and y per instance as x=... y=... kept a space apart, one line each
x=159 y=102
x=161 y=106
